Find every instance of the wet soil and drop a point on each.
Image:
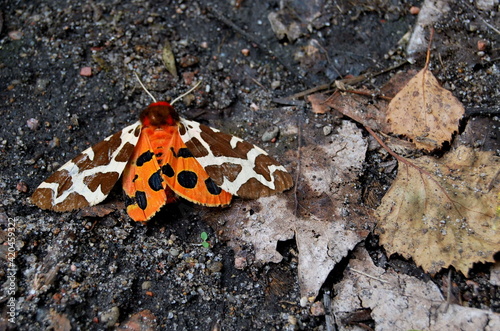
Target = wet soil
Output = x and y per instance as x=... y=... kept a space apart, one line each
x=94 y=272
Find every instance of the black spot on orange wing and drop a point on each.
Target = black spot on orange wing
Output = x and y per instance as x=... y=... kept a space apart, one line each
x=143 y=181
x=212 y=187
x=144 y=157
x=167 y=170
x=187 y=179
x=155 y=181
x=182 y=152
x=141 y=199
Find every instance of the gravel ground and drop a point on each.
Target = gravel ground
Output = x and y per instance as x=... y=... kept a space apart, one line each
x=94 y=271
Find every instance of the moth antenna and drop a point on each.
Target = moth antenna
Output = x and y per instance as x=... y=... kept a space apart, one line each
x=144 y=87
x=184 y=94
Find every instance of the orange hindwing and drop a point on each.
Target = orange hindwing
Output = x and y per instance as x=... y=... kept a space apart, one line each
x=160 y=166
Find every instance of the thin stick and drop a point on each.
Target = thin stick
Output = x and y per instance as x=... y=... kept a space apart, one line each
x=448 y=292
x=428 y=57
x=297 y=177
x=184 y=94
x=144 y=87
x=367 y=275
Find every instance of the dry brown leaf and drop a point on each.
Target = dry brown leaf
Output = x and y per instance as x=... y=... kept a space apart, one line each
x=400 y=302
x=169 y=59
x=425 y=112
x=443 y=213
x=318 y=103
x=397 y=301
x=329 y=222
x=360 y=108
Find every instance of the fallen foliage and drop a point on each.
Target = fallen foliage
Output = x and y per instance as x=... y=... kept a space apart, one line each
x=401 y=302
x=328 y=223
x=441 y=212
x=425 y=112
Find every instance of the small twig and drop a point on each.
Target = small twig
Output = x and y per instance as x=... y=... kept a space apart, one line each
x=428 y=57
x=368 y=94
x=347 y=81
x=489 y=25
x=258 y=83
x=310 y=91
x=448 y=292
x=297 y=176
x=369 y=276
x=329 y=319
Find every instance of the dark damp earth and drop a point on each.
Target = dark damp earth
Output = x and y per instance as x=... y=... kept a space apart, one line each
x=66 y=74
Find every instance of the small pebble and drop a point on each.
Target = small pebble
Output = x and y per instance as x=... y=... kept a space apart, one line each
x=33 y=124
x=188 y=61
x=254 y=107
x=215 y=266
x=86 y=71
x=146 y=285
x=41 y=85
x=270 y=134
x=188 y=77
x=22 y=187
x=327 y=129
x=15 y=35
x=240 y=262
x=482 y=45
x=74 y=120
x=174 y=252
x=275 y=84
x=486 y=5
x=303 y=302
x=414 y=10
x=110 y=317
x=55 y=142
x=245 y=51
x=292 y=320
x=317 y=309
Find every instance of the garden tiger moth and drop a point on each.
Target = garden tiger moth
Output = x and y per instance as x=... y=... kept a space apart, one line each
x=160 y=157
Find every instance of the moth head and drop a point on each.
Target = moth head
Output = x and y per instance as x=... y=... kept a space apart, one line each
x=159 y=113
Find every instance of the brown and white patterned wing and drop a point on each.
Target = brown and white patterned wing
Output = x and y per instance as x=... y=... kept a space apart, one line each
x=235 y=165
x=88 y=178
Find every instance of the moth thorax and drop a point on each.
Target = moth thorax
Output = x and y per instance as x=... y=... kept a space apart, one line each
x=159 y=113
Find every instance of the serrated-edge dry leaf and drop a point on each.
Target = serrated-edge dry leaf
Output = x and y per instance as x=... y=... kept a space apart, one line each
x=444 y=215
x=425 y=112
